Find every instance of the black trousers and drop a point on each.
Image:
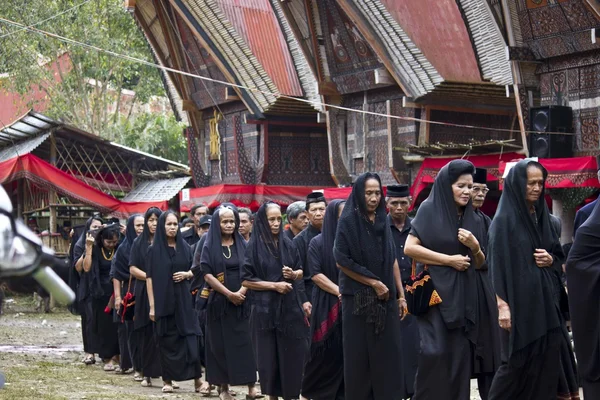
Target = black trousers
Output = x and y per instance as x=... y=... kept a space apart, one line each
x=372 y=363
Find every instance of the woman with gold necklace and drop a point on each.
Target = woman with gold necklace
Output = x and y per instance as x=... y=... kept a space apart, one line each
x=97 y=261
x=229 y=354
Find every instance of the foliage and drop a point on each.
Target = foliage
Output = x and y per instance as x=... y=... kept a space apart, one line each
x=572 y=197
x=156 y=134
x=85 y=91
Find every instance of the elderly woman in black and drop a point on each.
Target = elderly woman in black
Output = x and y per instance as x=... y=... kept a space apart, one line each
x=524 y=257
x=372 y=294
x=277 y=322
x=171 y=304
x=229 y=354
x=324 y=370
x=142 y=325
x=444 y=238
x=83 y=306
x=121 y=279
x=99 y=252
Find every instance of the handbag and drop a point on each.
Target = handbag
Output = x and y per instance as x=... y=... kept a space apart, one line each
x=419 y=291
x=127 y=304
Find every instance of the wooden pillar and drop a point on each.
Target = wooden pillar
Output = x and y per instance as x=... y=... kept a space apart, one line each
x=20 y=199
x=567 y=217
x=424 y=126
x=52 y=198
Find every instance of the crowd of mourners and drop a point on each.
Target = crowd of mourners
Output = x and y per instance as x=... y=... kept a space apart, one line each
x=318 y=310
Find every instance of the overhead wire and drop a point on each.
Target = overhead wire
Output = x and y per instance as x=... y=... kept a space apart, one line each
x=254 y=89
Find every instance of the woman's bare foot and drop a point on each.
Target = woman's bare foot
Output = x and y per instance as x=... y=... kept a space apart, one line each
x=146 y=382
x=206 y=389
x=252 y=391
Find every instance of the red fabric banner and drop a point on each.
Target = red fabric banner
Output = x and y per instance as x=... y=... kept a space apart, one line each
x=48 y=176
x=251 y=196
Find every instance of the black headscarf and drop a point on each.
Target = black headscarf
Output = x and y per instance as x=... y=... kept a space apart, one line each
x=265 y=257
x=530 y=291
x=583 y=281
x=366 y=248
x=436 y=225
x=120 y=264
x=96 y=287
x=326 y=310
x=212 y=261
x=75 y=252
x=162 y=262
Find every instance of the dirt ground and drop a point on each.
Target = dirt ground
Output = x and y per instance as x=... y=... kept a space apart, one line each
x=40 y=358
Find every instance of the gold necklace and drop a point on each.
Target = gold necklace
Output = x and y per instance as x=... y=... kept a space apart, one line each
x=112 y=253
x=227 y=257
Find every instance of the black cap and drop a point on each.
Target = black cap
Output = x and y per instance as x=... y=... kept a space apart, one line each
x=315 y=197
x=205 y=220
x=398 y=191
x=480 y=176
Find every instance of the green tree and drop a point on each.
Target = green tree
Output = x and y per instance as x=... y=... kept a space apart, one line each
x=160 y=135
x=87 y=95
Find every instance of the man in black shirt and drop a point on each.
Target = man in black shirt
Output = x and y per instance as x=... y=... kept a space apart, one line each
x=315 y=209
x=398 y=202
x=297 y=218
x=192 y=235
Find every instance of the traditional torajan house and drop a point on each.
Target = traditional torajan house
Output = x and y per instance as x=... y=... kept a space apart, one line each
x=443 y=62
x=387 y=84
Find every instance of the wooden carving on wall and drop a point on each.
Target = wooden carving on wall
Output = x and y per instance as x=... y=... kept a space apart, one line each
x=215 y=136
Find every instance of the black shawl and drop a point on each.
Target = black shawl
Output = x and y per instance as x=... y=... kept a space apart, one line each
x=77 y=280
x=326 y=310
x=368 y=249
x=212 y=263
x=436 y=225
x=96 y=288
x=265 y=258
x=583 y=281
x=529 y=290
x=120 y=264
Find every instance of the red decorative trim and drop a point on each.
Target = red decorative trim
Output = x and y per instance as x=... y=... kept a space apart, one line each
x=329 y=322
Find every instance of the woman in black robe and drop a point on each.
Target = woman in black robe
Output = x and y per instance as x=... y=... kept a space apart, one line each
x=372 y=295
x=583 y=281
x=96 y=270
x=143 y=327
x=324 y=370
x=523 y=253
x=171 y=304
x=80 y=289
x=444 y=237
x=229 y=354
x=277 y=322
x=119 y=273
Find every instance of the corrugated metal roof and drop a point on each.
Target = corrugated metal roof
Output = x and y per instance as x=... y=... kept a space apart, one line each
x=159 y=190
x=438 y=30
x=256 y=23
x=22 y=148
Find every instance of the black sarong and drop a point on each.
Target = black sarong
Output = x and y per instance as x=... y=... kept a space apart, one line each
x=371 y=361
x=179 y=356
x=134 y=349
x=148 y=348
x=445 y=361
x=104 y=329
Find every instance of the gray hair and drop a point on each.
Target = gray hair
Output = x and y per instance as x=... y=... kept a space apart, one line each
x=295 y=209
x=245 y=210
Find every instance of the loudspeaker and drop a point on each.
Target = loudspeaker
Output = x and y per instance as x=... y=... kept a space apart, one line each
x=551 y=119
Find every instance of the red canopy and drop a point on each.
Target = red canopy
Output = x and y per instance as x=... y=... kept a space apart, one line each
x=251 y=196
x=48 y=176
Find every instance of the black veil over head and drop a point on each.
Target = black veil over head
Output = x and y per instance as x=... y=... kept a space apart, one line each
x=120 y=263
x=436 y=226
x=514 y=236
x=142 y=242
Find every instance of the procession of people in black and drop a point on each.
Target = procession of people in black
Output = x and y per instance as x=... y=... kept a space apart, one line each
x=319 y=311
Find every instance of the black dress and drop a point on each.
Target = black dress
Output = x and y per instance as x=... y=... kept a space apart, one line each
x=177 y=330
x=143 y=327
x=103 y=327
x=301 y=241
x=229 y=354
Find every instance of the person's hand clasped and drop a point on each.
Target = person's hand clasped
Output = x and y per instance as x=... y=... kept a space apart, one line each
x=468 y=239
x=307 y=308
x=542 y=258
x=180 y=276
x=289 y=273
x=236 y=298
x=382 y=291
x=283 y=287
x=459 y=262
